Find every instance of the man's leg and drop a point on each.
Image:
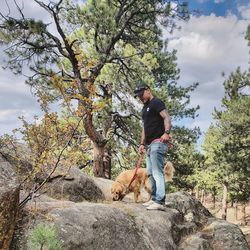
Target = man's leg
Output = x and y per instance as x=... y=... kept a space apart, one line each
x=157 y=153
x=150 y=175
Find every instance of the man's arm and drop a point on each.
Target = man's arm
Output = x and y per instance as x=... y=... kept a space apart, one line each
x=142 y=137
x=142 y=144
x=167 y=125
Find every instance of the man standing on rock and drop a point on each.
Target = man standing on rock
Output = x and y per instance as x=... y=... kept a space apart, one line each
x=154 y=138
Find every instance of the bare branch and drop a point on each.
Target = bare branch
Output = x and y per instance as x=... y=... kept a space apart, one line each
x=20 y=10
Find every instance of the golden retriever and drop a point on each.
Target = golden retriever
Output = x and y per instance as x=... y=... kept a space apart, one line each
x=120 y=187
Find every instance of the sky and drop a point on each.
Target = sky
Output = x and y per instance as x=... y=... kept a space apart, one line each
x=208 y=44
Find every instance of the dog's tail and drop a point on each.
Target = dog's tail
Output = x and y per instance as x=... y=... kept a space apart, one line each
x=169 y=171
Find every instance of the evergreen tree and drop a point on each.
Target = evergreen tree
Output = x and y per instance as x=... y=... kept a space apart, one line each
x=230 y=149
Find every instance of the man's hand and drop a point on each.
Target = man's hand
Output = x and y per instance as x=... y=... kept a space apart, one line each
x=141 y=149
x=165 y=138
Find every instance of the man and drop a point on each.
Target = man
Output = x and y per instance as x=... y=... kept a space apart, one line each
x=154 y=138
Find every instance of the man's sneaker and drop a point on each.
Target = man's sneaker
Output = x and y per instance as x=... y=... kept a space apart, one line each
x=156 y=206
x=169 y=204
x=148 y=203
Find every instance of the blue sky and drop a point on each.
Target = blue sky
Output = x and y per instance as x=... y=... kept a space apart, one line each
x=207 y=45
x=218 y=7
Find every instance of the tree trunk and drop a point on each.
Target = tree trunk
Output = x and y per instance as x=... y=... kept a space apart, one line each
x=101 y=156
x=224 y=201
x=197 y=193
x=203 y=196
x=107 y=163
x=213 y=195
x=235 y=210
x=243 y=214
x=102 y=162
x=232 y=203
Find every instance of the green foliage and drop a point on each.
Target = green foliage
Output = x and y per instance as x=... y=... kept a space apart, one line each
x=43 y=237
x=227 y=145
x=48 y=140
x=186 y=161
x=234 y=124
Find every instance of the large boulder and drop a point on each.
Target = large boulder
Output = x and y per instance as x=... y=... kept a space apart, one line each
x=73 y=185
x=217 y=234
x=105 y=186
x=9 y=200
x=185 y=225
x=190 y=207
x=18 y=155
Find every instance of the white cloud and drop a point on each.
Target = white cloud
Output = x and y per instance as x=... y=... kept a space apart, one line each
x=6 y=114
x=16 y=100
x=202 y=1
x=207 y=46
x=244 y=11
x=219 y=1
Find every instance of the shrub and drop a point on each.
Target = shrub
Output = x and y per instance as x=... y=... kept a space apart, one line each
x=43 y=237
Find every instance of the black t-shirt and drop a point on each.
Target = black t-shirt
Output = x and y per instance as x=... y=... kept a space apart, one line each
x=153 y=122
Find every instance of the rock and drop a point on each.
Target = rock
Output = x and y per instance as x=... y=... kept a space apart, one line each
x=122 y=225
x=76 y=186
x=9 y=200
x=100 y=226
x=226 y=236
x=44 y=204
x=18 y=155
x=105 y=186
x=127 y=225
x=195 y=242
x=190 y=207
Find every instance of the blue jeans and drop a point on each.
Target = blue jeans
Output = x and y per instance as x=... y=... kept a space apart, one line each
x=155 y=169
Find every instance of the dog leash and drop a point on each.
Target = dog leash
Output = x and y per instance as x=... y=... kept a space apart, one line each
x=139 y=162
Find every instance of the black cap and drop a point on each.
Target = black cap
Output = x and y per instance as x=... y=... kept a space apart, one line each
x=139 y=90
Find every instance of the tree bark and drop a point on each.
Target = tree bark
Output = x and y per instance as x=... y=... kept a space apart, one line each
x=98 y=160
x=235 y=210
x=102 y=161
x=107 y=163
x=232 y=203
x=203 y=196
x=224 y=201
x=197 y=193
x=101 y=155
x=213 y=195
x=243 y=214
